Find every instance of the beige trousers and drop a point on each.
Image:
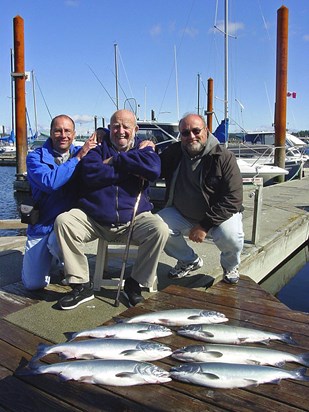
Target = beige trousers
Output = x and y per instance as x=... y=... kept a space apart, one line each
x=74 y=229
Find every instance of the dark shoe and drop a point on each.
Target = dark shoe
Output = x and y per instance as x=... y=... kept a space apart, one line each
x=80 y=293
x=132 y=292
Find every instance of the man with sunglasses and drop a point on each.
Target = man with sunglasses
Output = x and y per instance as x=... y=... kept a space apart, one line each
x=204 y=198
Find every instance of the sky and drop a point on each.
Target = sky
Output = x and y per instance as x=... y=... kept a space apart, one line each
x=162 y=48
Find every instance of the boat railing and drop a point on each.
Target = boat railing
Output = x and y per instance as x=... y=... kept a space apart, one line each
x=266 y=153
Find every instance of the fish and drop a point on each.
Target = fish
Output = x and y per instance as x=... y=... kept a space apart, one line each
x=102 y=372
x=179 y=317
x=232 y=334
x=229 y=375
x=140 y=331
x=238 y=354
x=105 y=349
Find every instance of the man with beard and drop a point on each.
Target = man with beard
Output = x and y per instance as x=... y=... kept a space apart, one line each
x=204 y=198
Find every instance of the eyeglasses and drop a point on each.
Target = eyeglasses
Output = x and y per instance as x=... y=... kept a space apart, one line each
x=59 y=132
x=195 y=131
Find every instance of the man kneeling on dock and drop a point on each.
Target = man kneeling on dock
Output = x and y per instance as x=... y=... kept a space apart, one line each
x=204 y=198
x=50 y=169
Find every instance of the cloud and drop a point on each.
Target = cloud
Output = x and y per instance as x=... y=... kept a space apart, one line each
x=82 y=118
x=156 y=30
x=71 y=3
x=233 y=27
x=190 y=31
x=306 y=37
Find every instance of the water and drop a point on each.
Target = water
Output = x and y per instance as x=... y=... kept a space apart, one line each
x=289 y=282
x=9 y=200
x=295 y=293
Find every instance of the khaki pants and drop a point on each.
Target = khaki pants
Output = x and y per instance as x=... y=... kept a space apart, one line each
x=74 y=228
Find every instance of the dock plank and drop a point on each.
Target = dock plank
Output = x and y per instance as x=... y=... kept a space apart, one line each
x=245 y=304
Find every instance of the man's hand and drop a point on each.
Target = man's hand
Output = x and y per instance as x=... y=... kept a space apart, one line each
x=197 y=234
x=146 y=143
x=89 y=144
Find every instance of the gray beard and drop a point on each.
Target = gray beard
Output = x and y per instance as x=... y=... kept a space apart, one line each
x=194 y=150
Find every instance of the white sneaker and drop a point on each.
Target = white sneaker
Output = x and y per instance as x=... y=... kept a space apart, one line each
x=183 y=269
x=231 y=276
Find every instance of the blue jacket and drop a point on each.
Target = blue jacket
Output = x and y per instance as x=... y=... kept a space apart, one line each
x=48 y=182
x=109 y=192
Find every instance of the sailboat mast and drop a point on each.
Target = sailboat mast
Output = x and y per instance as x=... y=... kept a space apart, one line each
x=34 y=104
x=176 y=79
x=12 y=90
x=116 y=75
x=226 y=68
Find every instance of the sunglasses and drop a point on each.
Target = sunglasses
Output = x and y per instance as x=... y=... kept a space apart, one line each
x=187 y=133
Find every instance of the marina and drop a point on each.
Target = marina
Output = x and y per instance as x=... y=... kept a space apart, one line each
x=276 y=225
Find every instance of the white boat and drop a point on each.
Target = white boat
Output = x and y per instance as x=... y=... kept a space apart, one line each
x=254 y=170
x=258 y=148
x=8 y=149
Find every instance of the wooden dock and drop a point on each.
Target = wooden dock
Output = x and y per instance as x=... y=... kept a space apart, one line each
x=245 y=304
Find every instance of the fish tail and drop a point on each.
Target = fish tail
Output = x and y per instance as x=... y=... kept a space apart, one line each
x=300 y=374
x=31 y=369
x=287 y=338
x=40 y=353
x=304 y=359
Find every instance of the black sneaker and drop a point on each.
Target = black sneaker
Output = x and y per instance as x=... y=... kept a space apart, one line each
x=132 y=292
x=80 y=293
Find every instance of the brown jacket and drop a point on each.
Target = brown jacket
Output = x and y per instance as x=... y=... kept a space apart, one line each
x=221 y=182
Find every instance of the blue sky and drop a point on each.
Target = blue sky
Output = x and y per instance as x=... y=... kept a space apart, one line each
x=69 y=44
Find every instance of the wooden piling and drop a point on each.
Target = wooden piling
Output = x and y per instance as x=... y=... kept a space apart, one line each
x=281 y=87
x=20 y=101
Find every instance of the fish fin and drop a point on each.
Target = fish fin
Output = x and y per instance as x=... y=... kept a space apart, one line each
x=119 y=320
x=70 y=335
x=85 y=378
x=209 y=334
x=252 y=362
x=163 y=321
x=211 y=376
x=129 y=352
x=279 y=364
x=110 y=336
x=265 y=342
x=253 y=382
x=215 y=354
x=125 y=374
x=63 y=357
x=193 y=317
x=304 y=359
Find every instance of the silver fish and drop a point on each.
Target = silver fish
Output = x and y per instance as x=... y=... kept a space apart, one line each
x=238 y=354
x=106 y=349
x=178 y=317
x=104 y=372
x=231 y=334
x=140 y=331
x=228 y=375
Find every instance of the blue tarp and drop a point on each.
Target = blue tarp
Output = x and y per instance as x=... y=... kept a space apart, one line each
x=222 y=131
x=9 y=139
